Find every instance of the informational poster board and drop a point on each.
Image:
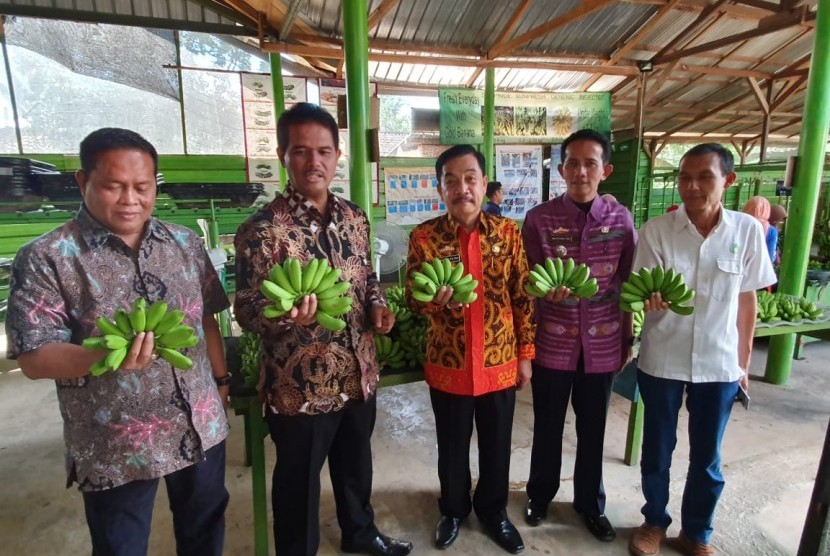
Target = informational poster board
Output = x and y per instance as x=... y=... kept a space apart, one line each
x=260 y=127
x=521 y=117
x=519 y=169
x=556 y=183
x=412 y=195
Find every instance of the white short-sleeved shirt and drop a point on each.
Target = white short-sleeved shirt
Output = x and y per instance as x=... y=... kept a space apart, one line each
x=702 y=347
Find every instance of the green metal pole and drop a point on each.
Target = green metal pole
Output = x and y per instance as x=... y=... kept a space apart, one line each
x=279 y=102
x=489 y=120
x=806 y=188
x=356 y=45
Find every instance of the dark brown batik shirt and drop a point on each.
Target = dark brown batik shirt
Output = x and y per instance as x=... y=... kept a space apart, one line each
x=125 y=425
x=309 y=369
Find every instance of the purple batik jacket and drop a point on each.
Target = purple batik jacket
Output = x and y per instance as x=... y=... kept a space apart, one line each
x=604 y=239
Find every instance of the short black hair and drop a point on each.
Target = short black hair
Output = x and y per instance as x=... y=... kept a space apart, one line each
x=727 y=161
x=305 y=113
x=111 y=139
x=457 y=151
x=493 y=187
x=587 y=135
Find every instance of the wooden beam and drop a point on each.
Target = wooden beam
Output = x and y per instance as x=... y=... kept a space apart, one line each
x=728 y=72
x=511 y=25
x=340 y=65
x=703 y=117
x=735 y=10
x=472 y=80
x=585 y=7
x=761 y=5
x=376 y=16
x=759 y=95
x=788 y=91
x=766 y=123
x=739 y=37
x=664 y=75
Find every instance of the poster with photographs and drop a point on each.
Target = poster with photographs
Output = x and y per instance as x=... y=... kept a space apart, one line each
x=412 y=195
x=294 y=89
x=260 y=127
x=556 y=183
x=519 y=169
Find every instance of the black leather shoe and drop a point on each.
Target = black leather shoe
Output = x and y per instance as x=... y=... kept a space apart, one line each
x=533 y=515
x=447 y=531
x=600 y=527
x=506 y=535
x=379 y=546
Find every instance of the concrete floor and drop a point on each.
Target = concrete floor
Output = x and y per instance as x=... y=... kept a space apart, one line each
x=770 y=458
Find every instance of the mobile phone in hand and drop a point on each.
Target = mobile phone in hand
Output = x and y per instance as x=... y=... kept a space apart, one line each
x=743 y=396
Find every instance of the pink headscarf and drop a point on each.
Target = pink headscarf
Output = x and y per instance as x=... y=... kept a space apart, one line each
x=759 y=207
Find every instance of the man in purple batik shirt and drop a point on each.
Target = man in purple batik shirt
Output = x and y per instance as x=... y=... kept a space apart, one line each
x=580 y=343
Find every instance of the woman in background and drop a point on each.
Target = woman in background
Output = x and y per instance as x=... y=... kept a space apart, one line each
x=759 y=207
x=777 y=215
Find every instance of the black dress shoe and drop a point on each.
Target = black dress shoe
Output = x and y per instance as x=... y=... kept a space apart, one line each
x=379 y=546
x=447 y=531
x=600 y=527
x=533 y=515
x=506 y=535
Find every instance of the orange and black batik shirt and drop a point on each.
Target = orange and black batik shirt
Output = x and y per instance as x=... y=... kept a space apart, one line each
x=475 y=350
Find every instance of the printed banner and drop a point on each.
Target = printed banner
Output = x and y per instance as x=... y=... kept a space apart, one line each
x=519 y=169
x=556 y=183
x=521 y=117
x=412 y=195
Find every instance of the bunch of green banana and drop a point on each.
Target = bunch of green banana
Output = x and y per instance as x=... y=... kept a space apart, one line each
x=669 y=284
x=169 y=334
x=638 y=318
x=249 y=352
x=414 y=345
x=441 y=272
x=777 y=307
x=389 y=353
x=288 y=283
x=558 y=273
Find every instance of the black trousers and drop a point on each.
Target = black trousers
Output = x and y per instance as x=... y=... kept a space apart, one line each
x=493 y=417
x=303 y=443
x=119 y=518
x=589 y=394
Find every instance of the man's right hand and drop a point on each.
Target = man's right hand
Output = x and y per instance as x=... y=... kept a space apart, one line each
x=141 y=353
x=444 y=297
x=303 y=314
x=555 y=295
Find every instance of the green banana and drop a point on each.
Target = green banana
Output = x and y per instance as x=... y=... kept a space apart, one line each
x=422 y=296
x=274 y=292
x=657 y=274
x=272 y=312
x=179 y=337
x=279 y=276
x=464 y=288
x=581 y=274
x=154 y=314
x=309 y=272
x=329 y=322
x=539 y=280
x=570 y=265
x=456 y=273
x=335 y=291
x=171 y=319
x=429 y=270
x=97 y=342
x=122 y=321
x=333 y=306
x=648 y=280
x=323 y=268
x=115 y=358
x=531 y=289
x=178 y=360
x=588 y=289
x=138 y=318
x=99 y=367
x=329 y=278
x=682 y=309
x=551 y=270
x=636 y=281
x=447 y=270
x=295 y=274
x=108 y=327
x=113 y=341
x=466 y=298
x=559 y=267
x=438 y=266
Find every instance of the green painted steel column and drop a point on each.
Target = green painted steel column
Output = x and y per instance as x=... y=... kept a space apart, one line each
x=806 y=188
x=489 y=121
x=356 y=45
x=279 y=101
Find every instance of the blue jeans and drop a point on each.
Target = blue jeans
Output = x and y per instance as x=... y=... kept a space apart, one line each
x=119 y=518
x=709 y=405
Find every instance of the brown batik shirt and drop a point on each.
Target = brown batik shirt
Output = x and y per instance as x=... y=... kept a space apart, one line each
x=122 y=426
x=309 y=369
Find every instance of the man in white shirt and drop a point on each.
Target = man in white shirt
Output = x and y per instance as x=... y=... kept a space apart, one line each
x=722 y=255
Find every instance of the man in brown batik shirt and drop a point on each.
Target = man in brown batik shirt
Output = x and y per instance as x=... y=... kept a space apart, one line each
x=320 y=385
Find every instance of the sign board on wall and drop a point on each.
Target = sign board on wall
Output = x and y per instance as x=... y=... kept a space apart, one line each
x=519 y=169
x=412 y=195
x=521 y=117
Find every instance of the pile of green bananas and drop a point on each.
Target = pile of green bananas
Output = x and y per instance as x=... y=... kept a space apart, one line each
x=410 y=330
x=777 y=307
x=249 y=353
x=288 y=283
x=558 y=273
x=389 y=353
x=638 y=318
x=441 y=272
x=169 y=334
x=647 y=281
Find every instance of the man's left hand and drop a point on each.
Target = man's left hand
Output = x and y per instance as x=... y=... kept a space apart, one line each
x=223 y=394
x=525 y=373
x=382 y=319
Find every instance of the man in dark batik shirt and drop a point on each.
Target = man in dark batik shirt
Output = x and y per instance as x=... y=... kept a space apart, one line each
x=126 y=429
x=320 y=385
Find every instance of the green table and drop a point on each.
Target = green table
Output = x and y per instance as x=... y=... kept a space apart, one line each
x=245 y=402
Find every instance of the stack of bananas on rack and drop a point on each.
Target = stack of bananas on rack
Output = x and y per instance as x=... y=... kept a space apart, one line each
x=557 y=273
x=777 y=307
x=441 y=272
x=410 y=330
x=288 y=283
x=249 y=353
x=169 y=334
x=638 y=318
x=669 y=284
x=389 y=353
